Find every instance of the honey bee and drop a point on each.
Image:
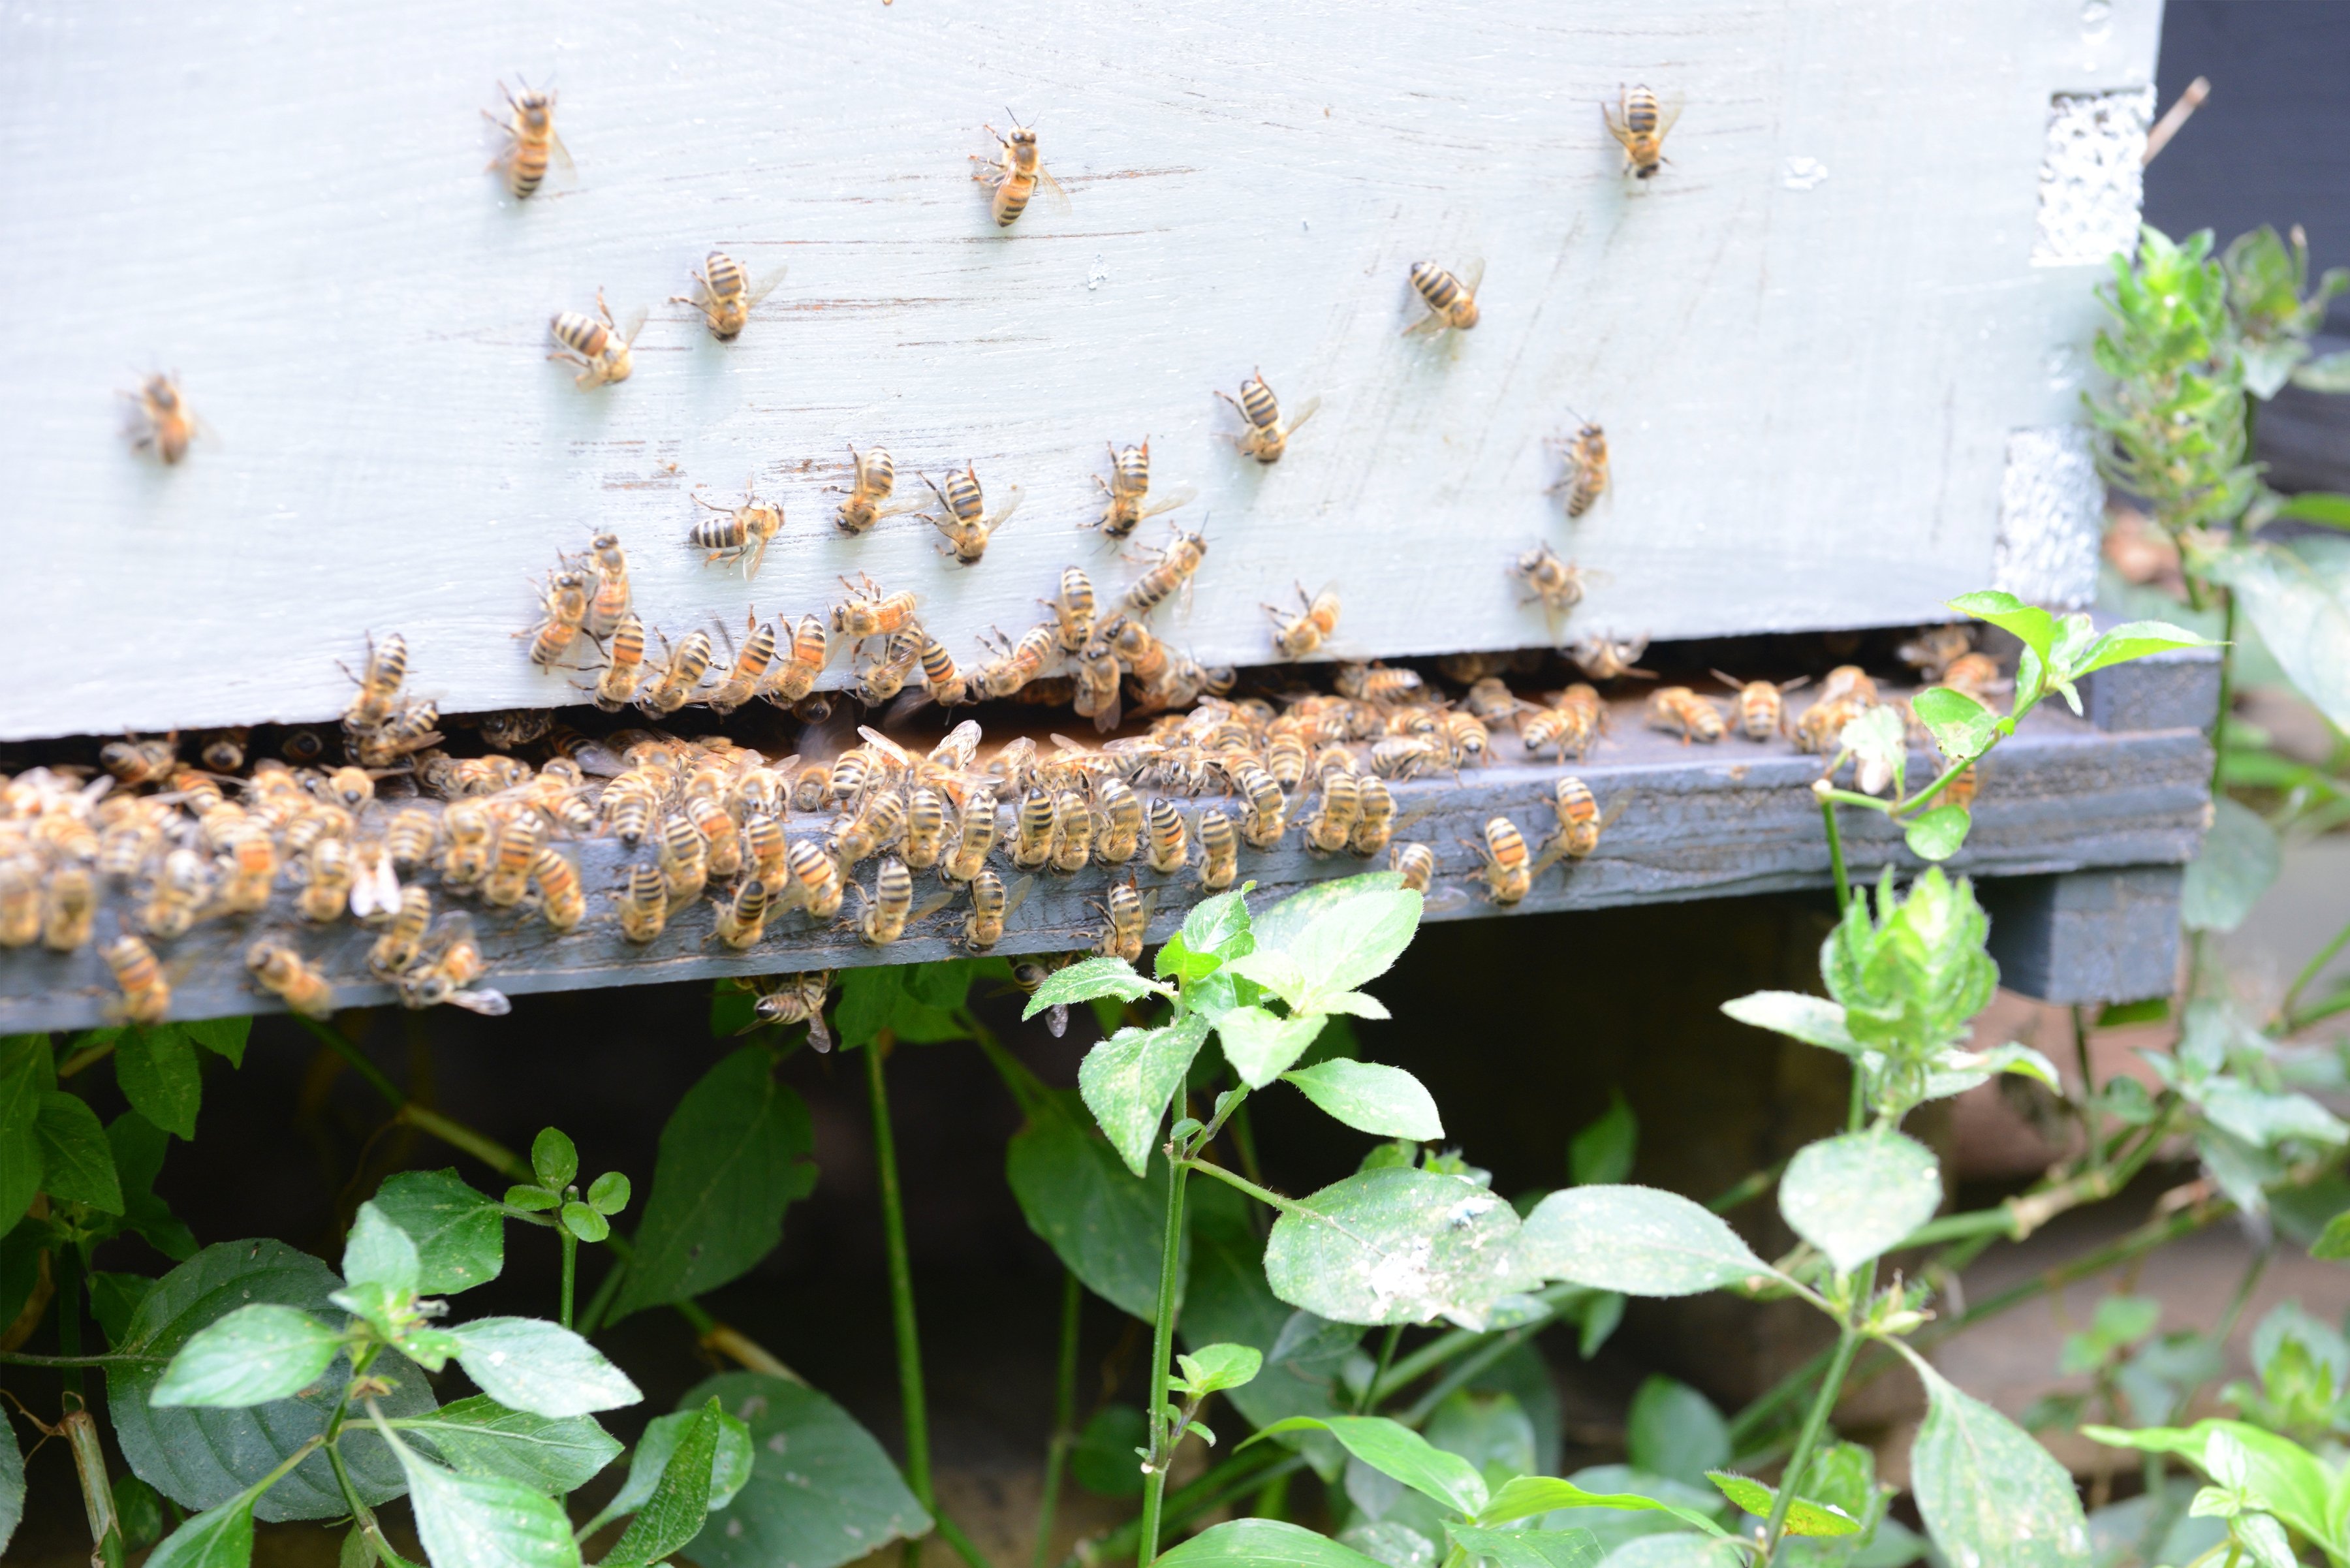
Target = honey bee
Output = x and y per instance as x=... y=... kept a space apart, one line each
x=448 y=971
x=643 y=898
x=1586 y=479
x=990 y=905
x=974 y=837
x=249 y=857
x=966 y=522
x=1680 y=709
x=794 y=677
x=1639 y=123
x=136 y=762
x=866 y=613
x=1124 y=919
x=1019 y=664
x=600 y=347
x=1761 y=705
x=1073 y=607
x=1819 y=728
x=1976 y=674
x=764 y=846
x=378 y=685
x=1015 y=172
x=849 y=771
x=1503 y=852
x=817 y=875
x=409 y=836
x=886 y=677
x=1375 y=818
x=683 y=857
x=519 y=842
x=788 y=999
x=396 y=952
x=146 y=994
x=1220 y=849
x=20 y=900
x=1934 y=647
x=1300 y=635
x=303 y=746
x=564 y=614
x=1267 y=436
x=1099 y=675
x=327 y=875
x=223 y=750
x=624 y=670
x=1285 y=757
x=407 y=731
x=1378 y=683
x=1466 y=735
x=926 y=828
x=725 y=295
x=467 y=850
x=687 y=663
x=164 y=424
x=1604 y=659
x=1267 y=817
x=947 y=684
x=609 y=603
x=1579 y=821
x=350 y=788
x=887 y=908
x=1031 y=842
x=1330 y=826
x=877 y=825
x=741 y=919
x=1170 y=841
x=562 y=901
x=375 y=885
x=300 y=984
x=813 y=787
x=958 y=753
x=511 y=729
x=1556 y=585
x=1073 y=833
x=531 y=141
x=1127 y=489
x=1849 y=681
x=1415 y=863
x=1452 y=301
x=737 y=532
x=751 y=661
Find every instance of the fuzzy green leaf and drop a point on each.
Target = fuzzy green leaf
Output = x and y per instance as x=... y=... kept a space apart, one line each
x=1528 y=1548
x=253 y=1355
x=1261 y=1046
x=1803 y=1516
x=217 y=1538
x=1262 y=1544
x=1090 y=978
x=1396 y=1245
x=1960 y=726
x=1636 y=1240
x=584 y=1223
x=157 y=1069
x=2035 y=627
x=609 y=1193
x=1356 y=941
x=1939 y=834
x=220 y=1037
x=378 y=1253
x=1813 y=1020
x=822 y=1492
x=459 y=1234
x=485 y=1521
x=1128 y=1080
x=1990 y=1495
x=1384 y=1101
x=1212 y=1368
x=77 y=1160
x=554 y=1158
x=1602 y=1153
x=1529 y=1496
x=1673 y=1430
x=12 y=1482
x=1857 y=1196
x=730 y=1463
x=672 y=1513
x=527 y=1364
x=1396 y=1451
x=478 y=1436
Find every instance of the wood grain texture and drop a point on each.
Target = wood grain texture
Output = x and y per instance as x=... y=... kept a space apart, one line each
x=1808 y=390
x=1696 y=822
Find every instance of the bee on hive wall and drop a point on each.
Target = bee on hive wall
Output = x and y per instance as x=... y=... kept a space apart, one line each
x=1015 y=172
x=738 y=533
x=161 y=421
x=1452 y=301
x=448 y=972
x=146 y=993
x=1639 y=122
x=1267 y=436
x=789 y=999
x=609 y=603
x=1300 y=635
x=624 y=671
x=867 y=612
x=687 y=663
x=1124 y=919
x=794 y=678
x=1508 y=874
x=1605 y=658
x=1171 y=573
x=1127 y=489
x=396 y=952
x=531 y=142
x=725 y=295
x=1415 y=863
x=301 y=984
x=1584 y=454
x=873 y=476
x=600 y=347
x=990 y=905
x=1556 y=585
x=563 y=614
x=966 y=522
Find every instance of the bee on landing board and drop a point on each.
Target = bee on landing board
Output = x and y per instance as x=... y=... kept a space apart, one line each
x=448 y=971
x=1415 y=863
x=146 y=993
x=966 y=521
x=1452 y=301
x=1124 y=919
x=1639 y=122
x=1127 y=489
x=991 y=904
x=1267 y=436
x=1584 y=454
x=725 y=295
x=1605 y=658
x=531 y=142
x=737 y=532
x=563 y=616
x=789 y=999
x=162 y=423
x=1015 y=172
x=1679 y=710
x=1761 y=705
x=873 y=476
x=299 y=983
x=600 y=347
x=1502 y=851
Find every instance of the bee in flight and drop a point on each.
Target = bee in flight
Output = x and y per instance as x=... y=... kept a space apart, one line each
x=1639 y=122
x=600 y=347
x=1452 y=301
x=1015 y=172
x=531 y=142
x=724 y=293
x=163 y=422
x=1267 y=436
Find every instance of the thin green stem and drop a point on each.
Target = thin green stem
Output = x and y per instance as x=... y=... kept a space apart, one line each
x=606 y=1288
x=1815 y=1422
x=1476 y=1361
x=2338 y=1002
x=96 y=1490
x=1162 y=1346
x=68 y=1302
x=1240 y=1474
x=2301 y=982
x=1836 y=850
x=1065 y=1413
x=2227 y=687
x=1378 y=1373
x=1262 y=1195
x=19 y=1358
x=965 y=1546
x=570 y=1244
x=1455 y=1343
x=2089 y=1088
x=1747 y=1189
x=1852 y=797
x=1244 y=1143
x=86 y=1056
x=902 y=1287
x=335 y=1041
x=1943 y=781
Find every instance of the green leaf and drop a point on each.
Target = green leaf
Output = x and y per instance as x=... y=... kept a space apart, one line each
x=220 y=1037
x=584 y=1223
x=2326 y=373
x=1674 y=1430
x=2333 y=1241
x=201 y=1457
x=1961 y=727
x=672 y=1515
x=609 y=1193
x=1396 y=1246
x=2241 y=856
x=1213 y=1368
x=1939 y=834
x=253 y=1355
x=157 y=1069
x=1857 y=1196
x=1528 y=1496
x=1104 y=1461
x=2035 y=627
x=2298 y=598
x=1636 y=1240
x=485 y=1521
x=1276 y=970
x=1356 y=941
x=2153 y=1010
x=1262 y=1544
x=1803 y=1516
x=378 y=1253
x=553 y=1160
x=481 y=1436
x=2287 y=1479
x=733 y=1155
x=1103 y=1221
x=2135 y=640
x=1128 y=1080
x=1090 y=978
x=459 y=1234
x=20 y=1143
x=821 y=1494
x=531 y=1199
x=138 y=1147
x=1989 y=1493
x=12 y=1482
x=1528 y=1548
x=1278 y=925
x=1219 y=926
x=902 y=999
x=1396 y=1451
x=529 y=1364
x=1602 y=1152
x=138 y=1507
x=77 y=1163
x=1386 y=1101
x=218 y=1537
x=1813 y=1020
x=1879 y=742
x=733 y=1010
x=1261 y=1046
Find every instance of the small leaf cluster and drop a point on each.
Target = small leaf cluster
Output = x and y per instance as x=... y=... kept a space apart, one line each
x=2273 y=318
x=554 y=1161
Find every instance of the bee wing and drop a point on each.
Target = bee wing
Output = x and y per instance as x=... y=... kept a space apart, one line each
x=820 y=1036
x=1019 y=894
x=1052 y=188
x=764 y=287
x=1006 y=510
x=1305 y=411
x=563 y=153
x=1668 y=109
x=1622 y=804
x=489 y=1003
x=1056 y=1022
x=633 y=324
x=1430 y=322
x=376 y=888
x=1474 y=275
x=931 y=906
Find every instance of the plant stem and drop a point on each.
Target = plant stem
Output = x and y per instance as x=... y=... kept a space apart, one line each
x=1943 y=781
x=1244 y=1143
x=902 y=1289
x=86 y=1056
x=1379 y=1374
x=1749 y=1187
x=1817 y=1420
x=602 y=1301
x=1162 y=1346
x=2227 y=687
x=1455 y=1343
x=80 y=1429
x=963 y=1545
x=1240 y=1474
x=570 y=1244
x=67 y=1271
x=1065 y=1413
x=2309 y=972
x=2338 y=1002
x=1262 y=1195
x=1836 y=854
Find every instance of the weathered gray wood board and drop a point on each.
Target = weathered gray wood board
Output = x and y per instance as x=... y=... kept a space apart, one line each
x=1694 y=822
x=1810 y=338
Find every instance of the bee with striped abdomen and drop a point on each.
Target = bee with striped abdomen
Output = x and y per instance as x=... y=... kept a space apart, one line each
x=1220 y=849
x=135 y=761
x=1300 y=635
x=788 y=999
x=301 y=985
x=563 y=614
x=69 y=908
x=598 y=347
x=519 y=842
x=794 y=678
x=616 y=685
x=555 y=883
x=742 y=918
x=448 y=971
x=1579 y=820
x=146 y=993
x=681 y=672
x=941 y=678
x=1267 y=436
x=1502 y=853
x=1569 y=725
x=1586 y=480
x=926 y=828
x=1015 y=172
x=1415 y=863
x=1170 y=839
x=990 y=907
x=1118 y=837
x=966 y=521
x=396 y=952
x=326 y=874
x=1679 y=711
x=609 y=605
x=867 y=612
x=1073 y=609
x=1333 y=821
x=737 y=532
x=1556 y=585
x=815 y=876
x=531 y=142
x=1605 y=658
x=873 y=476
x=882 y=679
x=1639 y=122
x=1128 y=488
x=725 y=295
x=1452 y=301
x=1124 y=919
x=974 y=837
x=683 y=856
x=1375 y=816
x=885 y=911
x=1761 y=705
x=877 y=824
x=751 y=661
x=1073 y=833
x=1267 y=817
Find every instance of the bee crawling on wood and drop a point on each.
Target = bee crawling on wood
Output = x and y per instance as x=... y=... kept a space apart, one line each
x=1302 y=634
x=1128 y=487
x=966 y=521
x=531 y=142
x=1584 y=454
x=163 y=422
x=600 y=347
x=873 y=476
x=1452 y=301
x=1605 y=658
x=299 y=983
x=738 y=533
x=1683 y=712
x=1015 y=172
x=788 y=999
x=724 y=293
x=1267 y=436
x=1639 y=122
x=1762 y=706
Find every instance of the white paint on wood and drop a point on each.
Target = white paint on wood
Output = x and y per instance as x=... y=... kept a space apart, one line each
x=2091 y=180
x=2051 y=518
x=1808 y=390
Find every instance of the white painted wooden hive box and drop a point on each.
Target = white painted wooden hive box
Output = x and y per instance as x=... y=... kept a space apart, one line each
x=1837 y=342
